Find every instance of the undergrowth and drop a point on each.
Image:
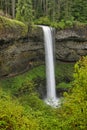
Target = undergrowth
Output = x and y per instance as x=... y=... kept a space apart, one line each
x=64 y=73
x=29 y=112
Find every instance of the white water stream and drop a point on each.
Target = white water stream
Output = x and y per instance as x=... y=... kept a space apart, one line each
x=51 y=98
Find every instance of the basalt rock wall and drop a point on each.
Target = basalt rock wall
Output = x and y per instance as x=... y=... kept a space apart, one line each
x=20 y=55
x=71 y=43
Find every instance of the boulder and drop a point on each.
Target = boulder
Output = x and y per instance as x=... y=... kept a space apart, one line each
x=11 y=29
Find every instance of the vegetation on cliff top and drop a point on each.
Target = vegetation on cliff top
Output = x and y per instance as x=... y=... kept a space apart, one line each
x=56 y=13
x=55 y=10
x=12 y=28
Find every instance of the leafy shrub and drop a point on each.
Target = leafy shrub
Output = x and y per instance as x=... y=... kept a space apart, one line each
x=78 y=24
x=12 y=115
x=74 y=108
x=69 y=23
x=64 y=85
x=60 y=25
x=43 y=21
x=26 y=87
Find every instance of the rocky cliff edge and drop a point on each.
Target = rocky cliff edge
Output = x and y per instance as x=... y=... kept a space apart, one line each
x=19 y=53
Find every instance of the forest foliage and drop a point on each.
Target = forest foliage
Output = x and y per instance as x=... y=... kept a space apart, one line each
x=24 y=110
x=50 y=12
x=29 y=112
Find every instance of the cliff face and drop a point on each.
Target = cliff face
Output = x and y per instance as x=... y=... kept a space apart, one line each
x=17 y=56
x=71 y=44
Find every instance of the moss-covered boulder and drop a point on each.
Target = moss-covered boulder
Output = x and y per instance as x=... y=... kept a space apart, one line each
x=11 y=29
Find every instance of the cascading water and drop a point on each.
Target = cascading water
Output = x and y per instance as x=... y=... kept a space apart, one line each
x=50 y=74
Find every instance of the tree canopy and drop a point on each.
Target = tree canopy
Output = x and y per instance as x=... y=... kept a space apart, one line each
x=54 y=10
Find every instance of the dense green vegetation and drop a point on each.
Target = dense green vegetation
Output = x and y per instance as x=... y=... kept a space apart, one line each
x=28 y=112
x=64 y=74
x=12 y=26
x=58 y=13
x=21 y=107
x=74 y=108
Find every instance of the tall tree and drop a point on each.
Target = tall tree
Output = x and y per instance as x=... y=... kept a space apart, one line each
x=13 y=8
x=79 y=11
x=24 y=11
x=55 y=10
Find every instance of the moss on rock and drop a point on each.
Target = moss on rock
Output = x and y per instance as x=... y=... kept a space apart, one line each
x=11 y=29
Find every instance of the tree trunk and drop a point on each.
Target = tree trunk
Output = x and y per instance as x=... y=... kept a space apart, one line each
x=13 y=8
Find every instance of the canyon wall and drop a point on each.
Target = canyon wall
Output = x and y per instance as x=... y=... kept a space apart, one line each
x=71 y=43
x=18 y=55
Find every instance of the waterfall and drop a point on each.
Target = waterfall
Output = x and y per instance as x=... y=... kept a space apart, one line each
x=50 y=74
